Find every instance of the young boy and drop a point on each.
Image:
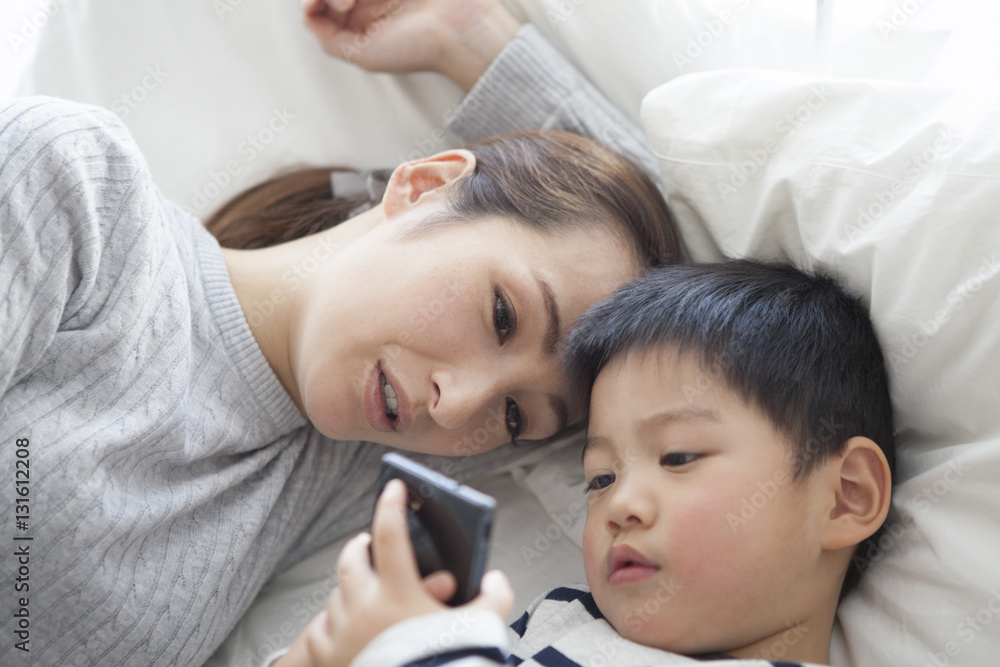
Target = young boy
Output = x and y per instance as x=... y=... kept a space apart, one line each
x=738 y=466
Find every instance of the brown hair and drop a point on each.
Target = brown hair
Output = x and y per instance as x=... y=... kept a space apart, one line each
x=548 y=180
x=283 y=208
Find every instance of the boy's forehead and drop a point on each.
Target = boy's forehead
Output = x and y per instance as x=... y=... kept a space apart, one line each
x=653 y=421
x=645 y=390
x=664 y=367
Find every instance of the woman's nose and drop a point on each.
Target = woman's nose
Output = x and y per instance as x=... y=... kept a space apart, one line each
x=462 y=394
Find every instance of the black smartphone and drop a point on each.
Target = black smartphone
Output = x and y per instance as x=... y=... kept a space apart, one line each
x=449 y=523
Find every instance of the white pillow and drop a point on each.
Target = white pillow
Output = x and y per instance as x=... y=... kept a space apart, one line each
x=219 y=95
x=895 y=188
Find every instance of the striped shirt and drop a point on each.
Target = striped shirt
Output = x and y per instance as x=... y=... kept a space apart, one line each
x=564 y=628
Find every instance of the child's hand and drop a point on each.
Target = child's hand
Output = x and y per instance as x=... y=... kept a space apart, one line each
x=368 y=600
x=457 y=38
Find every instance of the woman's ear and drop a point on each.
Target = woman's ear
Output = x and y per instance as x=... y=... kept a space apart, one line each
x=413 y=183
x=861 y=494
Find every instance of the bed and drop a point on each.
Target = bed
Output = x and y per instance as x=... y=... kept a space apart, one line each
x=856 y=137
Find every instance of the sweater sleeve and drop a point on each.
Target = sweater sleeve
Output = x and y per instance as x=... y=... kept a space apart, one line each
x=531 y=86
x=60 y=182
x=457 y=638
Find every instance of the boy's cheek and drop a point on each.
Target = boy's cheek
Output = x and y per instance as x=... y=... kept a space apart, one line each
x=701 y=546
x=592 y=551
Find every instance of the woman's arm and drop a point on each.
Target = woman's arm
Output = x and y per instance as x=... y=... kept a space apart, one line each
x=514 y=78
x=65 y=170
x=531 y=86
x=456 y=38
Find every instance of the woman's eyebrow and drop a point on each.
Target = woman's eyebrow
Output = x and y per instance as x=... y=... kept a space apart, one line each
x=558 y=405
x=553 y=333
x=550 y=346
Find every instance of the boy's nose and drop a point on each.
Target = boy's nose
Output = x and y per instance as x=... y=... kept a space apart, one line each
x=631 y=505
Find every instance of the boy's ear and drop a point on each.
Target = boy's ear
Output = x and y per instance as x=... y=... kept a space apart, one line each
x=861 y=494
x=421 y=180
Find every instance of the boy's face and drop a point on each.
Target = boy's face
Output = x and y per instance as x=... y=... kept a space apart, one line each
x=697 y=540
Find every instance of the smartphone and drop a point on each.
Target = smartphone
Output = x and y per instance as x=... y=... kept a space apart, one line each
x=449 y=523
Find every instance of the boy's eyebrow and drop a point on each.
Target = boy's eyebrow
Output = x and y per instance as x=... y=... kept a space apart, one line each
x=686 y=413
x=589 y=442
x=659 y=419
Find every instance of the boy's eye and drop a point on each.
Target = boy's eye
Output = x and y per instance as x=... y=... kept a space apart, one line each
x=512 y=417
x=600 y=482
x=677 y=459
x=504 y=318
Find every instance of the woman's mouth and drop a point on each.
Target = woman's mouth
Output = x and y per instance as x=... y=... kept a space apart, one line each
x=389 y=398
x=626 y=565
x=385 y=404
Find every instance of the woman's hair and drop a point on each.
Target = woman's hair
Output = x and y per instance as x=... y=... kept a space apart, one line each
x=283 y=208
x=548 y=180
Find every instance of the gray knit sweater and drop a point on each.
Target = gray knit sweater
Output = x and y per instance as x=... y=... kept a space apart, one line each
x=156 y=473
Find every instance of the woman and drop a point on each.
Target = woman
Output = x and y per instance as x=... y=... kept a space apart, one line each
x=183 y=409
x=453 y=325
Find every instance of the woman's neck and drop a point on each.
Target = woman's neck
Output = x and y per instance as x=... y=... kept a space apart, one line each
x=271 y=285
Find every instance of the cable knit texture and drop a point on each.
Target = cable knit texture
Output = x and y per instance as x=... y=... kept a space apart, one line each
x=170 y=472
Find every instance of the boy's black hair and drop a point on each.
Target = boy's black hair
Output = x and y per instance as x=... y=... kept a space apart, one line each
x=795 y=346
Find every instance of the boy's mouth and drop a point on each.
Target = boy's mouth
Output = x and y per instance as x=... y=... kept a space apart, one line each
x=626 y=565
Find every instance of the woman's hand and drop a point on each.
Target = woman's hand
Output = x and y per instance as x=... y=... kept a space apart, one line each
x=457 y=38
x=370 y=599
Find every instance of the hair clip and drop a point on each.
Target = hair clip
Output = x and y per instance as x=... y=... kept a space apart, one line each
x=370 y=184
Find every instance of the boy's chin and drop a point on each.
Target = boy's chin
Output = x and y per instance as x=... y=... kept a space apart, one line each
x=644 y=620
x=684 y=635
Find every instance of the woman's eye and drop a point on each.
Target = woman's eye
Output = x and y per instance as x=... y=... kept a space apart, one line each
x=512 y=417
x=600 y=482
x=503 y=317
x=677 y=459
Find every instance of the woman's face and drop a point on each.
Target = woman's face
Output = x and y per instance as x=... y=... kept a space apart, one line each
x=446 y=341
